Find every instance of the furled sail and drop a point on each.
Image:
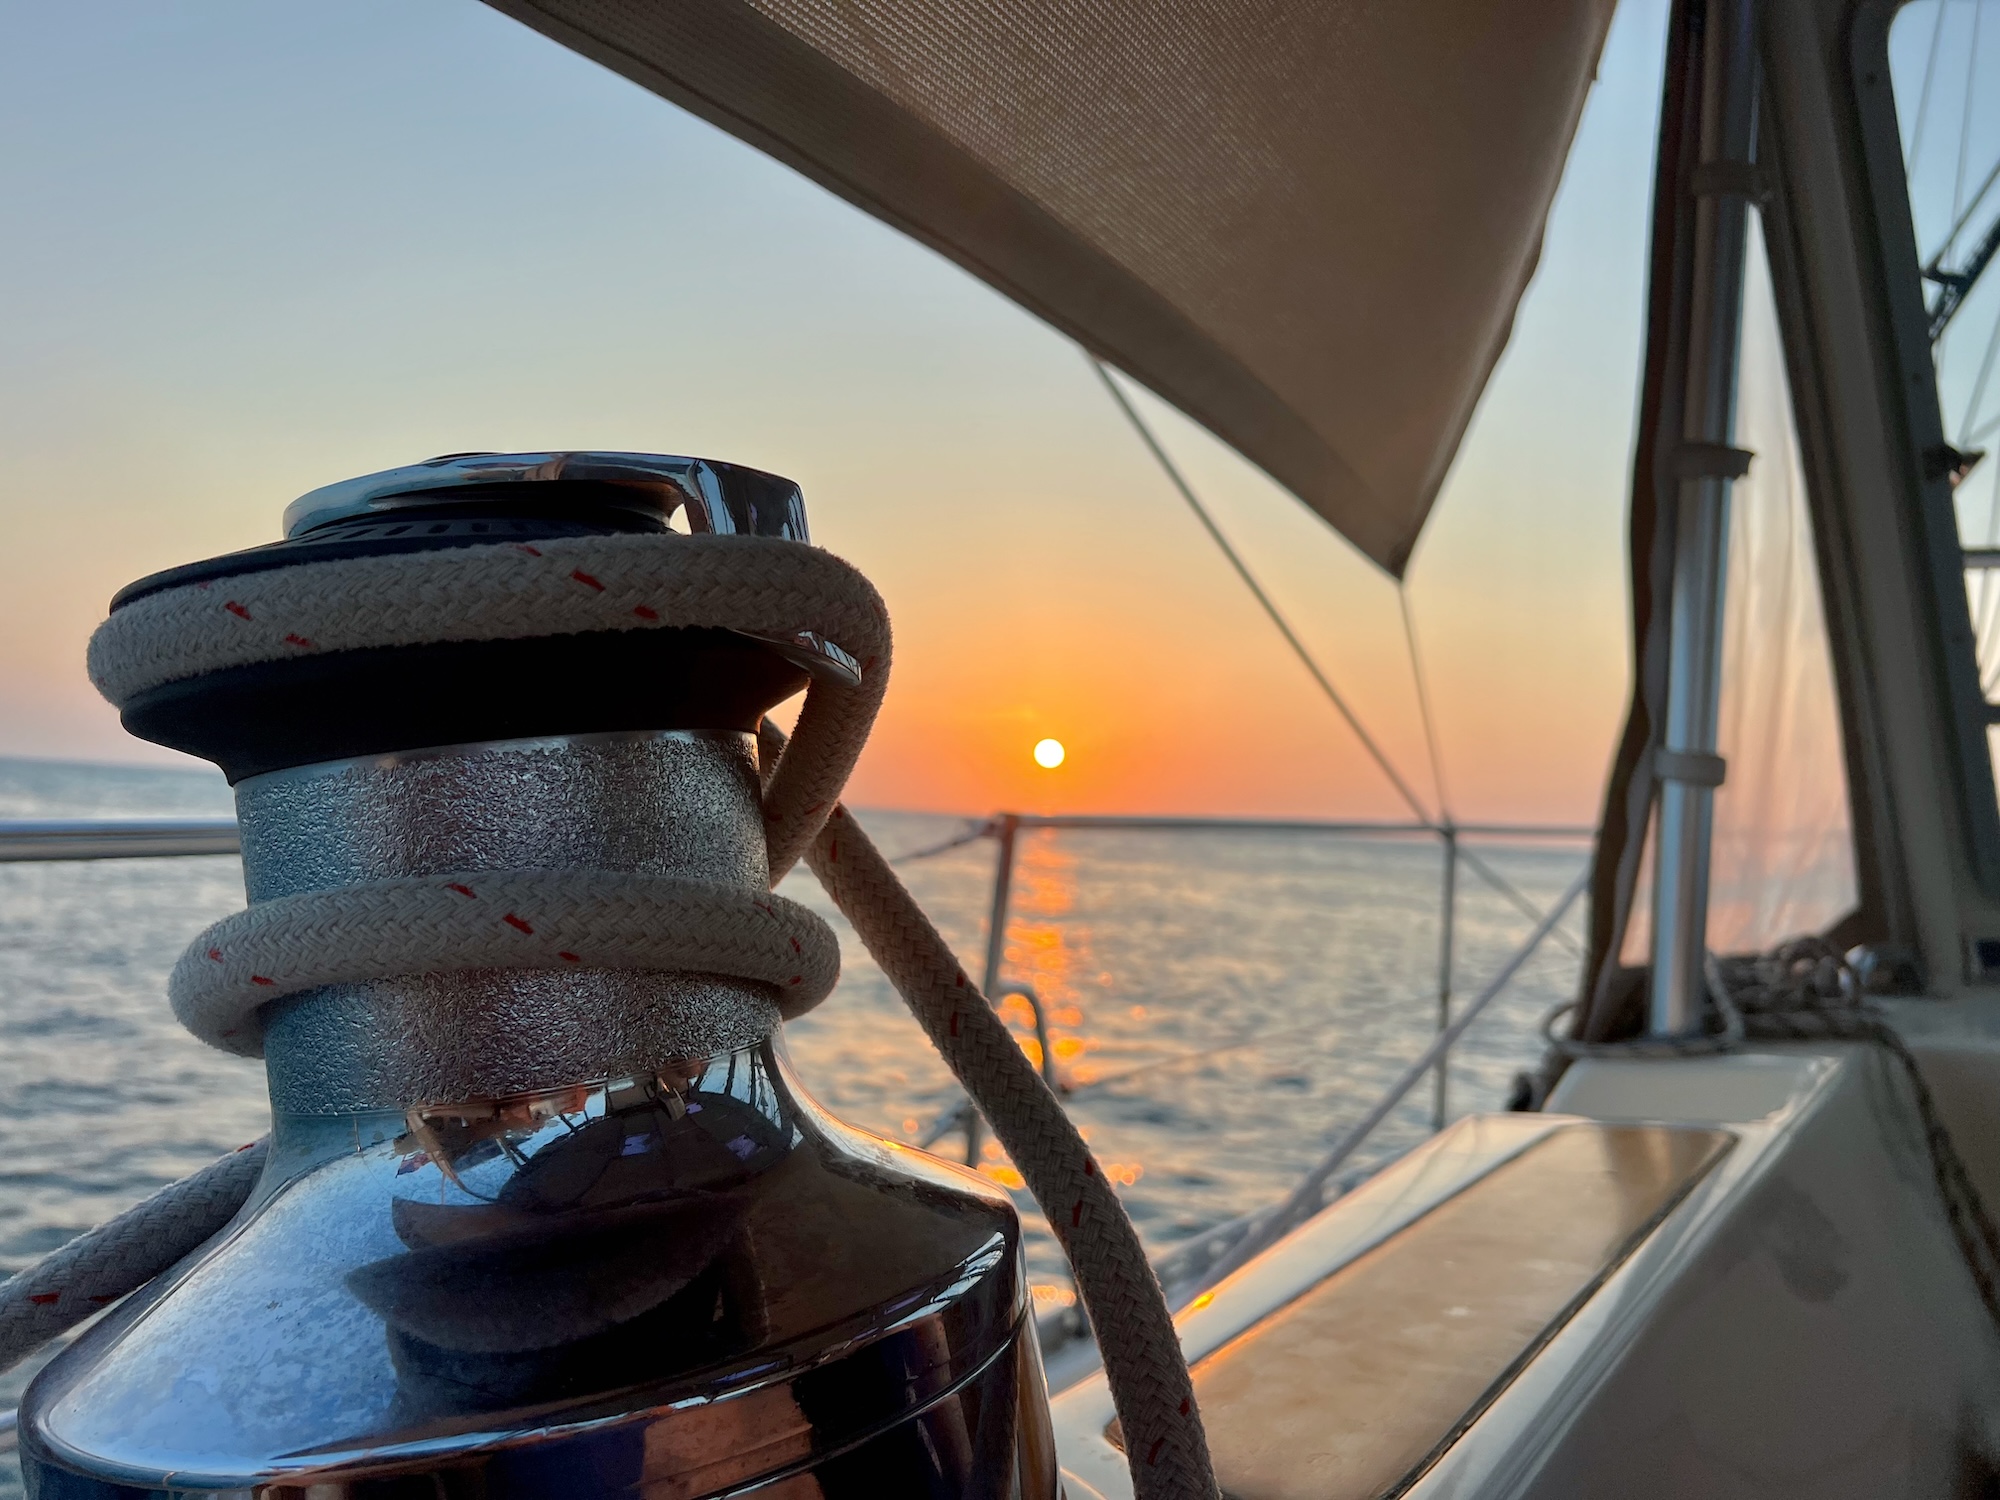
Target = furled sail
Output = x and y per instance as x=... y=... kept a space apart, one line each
x=1306 y=223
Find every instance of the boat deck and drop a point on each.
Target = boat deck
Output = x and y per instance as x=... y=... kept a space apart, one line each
x=1724 y=1276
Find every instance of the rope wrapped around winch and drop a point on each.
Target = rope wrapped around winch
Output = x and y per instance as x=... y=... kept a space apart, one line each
x=550 y=919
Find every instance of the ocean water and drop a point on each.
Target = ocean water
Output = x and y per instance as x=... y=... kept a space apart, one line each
x=1223 y=1005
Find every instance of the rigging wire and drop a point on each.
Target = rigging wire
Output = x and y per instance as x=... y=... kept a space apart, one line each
x=1924 y=98
x=1308 y=1197
x=1984 y=589
x=1972 y=204
x=1513 y=894
x=977 y=831
x=1173 y=473
x=1515 y=897
x=1423 y=701
x=1979 y=385
x=1964 y=127
x=1193 y=1055
x=1480 y=867
x=1985 y=595
x=1988 y=599
x=1984 y=598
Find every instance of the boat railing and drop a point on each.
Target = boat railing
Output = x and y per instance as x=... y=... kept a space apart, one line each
x=1005 y=830
x=1188 y=1267
x=114 y=838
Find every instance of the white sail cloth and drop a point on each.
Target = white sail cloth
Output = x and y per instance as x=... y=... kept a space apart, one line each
x=1307 y=225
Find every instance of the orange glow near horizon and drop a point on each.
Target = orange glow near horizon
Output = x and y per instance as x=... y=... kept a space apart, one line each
x=1205 y=712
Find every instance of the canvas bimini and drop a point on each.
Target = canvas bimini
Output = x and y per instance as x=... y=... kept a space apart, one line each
x=544 y=1211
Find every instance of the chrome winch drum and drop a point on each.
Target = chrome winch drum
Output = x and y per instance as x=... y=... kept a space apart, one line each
x=531 y=1232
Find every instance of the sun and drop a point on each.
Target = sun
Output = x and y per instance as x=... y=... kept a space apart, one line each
x=1048 y=754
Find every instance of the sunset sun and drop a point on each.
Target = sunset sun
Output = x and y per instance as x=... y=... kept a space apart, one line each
x=1048 y=754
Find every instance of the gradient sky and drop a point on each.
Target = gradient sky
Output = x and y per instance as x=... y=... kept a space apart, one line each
x=254 y=247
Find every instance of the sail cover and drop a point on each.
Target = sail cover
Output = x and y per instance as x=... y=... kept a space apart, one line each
x=1306 y=223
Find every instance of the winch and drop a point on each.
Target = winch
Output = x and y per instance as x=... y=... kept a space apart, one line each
x=545 y=1211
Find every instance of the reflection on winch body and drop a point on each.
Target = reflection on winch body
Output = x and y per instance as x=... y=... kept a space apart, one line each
x=605 y=1245
x=554 y=1253
x=686 y=1282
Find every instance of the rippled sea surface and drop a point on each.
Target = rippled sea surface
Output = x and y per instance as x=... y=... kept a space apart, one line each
x=1224 y=1005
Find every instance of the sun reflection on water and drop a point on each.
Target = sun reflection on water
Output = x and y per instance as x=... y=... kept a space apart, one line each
x=1217 y=1006
x=1048 y=946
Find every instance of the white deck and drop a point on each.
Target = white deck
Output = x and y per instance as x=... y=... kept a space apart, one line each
x=1800 y=1324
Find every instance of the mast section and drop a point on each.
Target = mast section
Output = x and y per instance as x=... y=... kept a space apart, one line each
x=1704 y=464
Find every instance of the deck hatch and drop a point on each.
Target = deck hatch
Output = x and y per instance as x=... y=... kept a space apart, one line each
x=1354 y=1388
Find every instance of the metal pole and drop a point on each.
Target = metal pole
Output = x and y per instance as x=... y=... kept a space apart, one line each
x=1042 y=1038
x=114 y=838
x=1704 y=463
x=1005 y=827
x=1448 y=839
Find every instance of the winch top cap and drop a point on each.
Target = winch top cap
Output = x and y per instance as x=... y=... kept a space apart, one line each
x=554 y=650
x=639 y=491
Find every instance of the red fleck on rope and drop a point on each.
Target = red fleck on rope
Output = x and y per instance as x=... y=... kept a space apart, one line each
x=122 y=1255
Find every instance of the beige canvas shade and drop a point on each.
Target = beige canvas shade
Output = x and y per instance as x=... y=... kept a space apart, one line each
x=1305 y=223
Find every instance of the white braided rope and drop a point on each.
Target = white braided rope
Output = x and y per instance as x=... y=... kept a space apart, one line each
x=1165 y=1444
x=562 y=917
x=517 y=919
x=121 y=1255
x=517 y=591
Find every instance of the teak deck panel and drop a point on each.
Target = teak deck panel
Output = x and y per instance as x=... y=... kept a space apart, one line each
x=1351 y=1390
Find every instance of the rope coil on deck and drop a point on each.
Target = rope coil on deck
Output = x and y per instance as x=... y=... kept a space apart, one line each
x=765 y=587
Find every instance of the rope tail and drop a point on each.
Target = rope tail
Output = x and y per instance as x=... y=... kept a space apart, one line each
x=1148 y=1375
